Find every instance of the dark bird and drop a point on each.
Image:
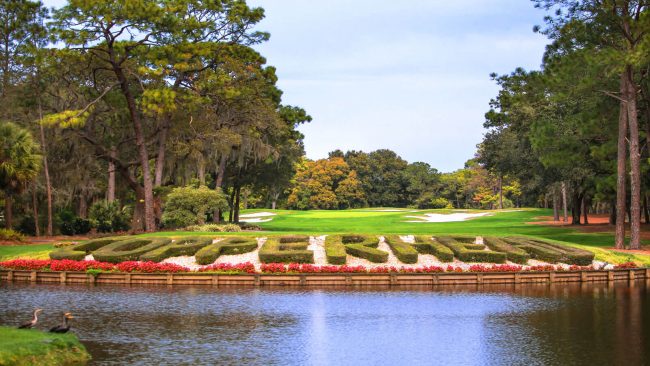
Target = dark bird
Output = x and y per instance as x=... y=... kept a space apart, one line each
x=63 y=327
x=31 y=323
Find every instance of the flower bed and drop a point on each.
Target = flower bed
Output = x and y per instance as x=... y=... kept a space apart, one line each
x=153 y=267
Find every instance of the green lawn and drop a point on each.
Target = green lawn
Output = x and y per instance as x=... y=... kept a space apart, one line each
x=34 y=347
x=38 y=251
x=375 y=221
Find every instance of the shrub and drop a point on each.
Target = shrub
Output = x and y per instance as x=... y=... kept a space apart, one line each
x=338 y=246
x=468 y=252
x=217 y=228
x=11 y=235
x=427 y=245
x=70 y=224
x=109 y=217
x=27 y=226
x=79 y=251
x=288 y=249
x=335 y=250
x=552 y=253
x=128 y=250
x=364 y=247
x=150 y=267
x=405 y=252
x=230 y=246
x=183 y=246
x=187 y=206
x=513 y=253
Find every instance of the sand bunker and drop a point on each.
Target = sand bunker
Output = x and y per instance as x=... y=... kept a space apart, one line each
x=434 y=217
x=257 y=214
x=256 y=217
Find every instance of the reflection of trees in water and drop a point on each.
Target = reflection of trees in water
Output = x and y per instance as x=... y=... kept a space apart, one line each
x=594 y=324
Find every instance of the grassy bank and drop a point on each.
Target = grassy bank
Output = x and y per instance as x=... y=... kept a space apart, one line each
x=34 y=347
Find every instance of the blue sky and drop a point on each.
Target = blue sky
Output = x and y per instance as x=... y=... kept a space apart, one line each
x=411 y=76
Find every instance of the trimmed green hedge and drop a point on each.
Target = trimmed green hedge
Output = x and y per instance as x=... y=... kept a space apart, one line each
x=182 y=246
x=79 y=251
x=128 y=250
x=513 y=254
x=365 y=247
x=427 y=245
x=335 y=250
x=288 y=249
x=468 y=252
x=208 y=254
x=552 y=253
x=405 y=252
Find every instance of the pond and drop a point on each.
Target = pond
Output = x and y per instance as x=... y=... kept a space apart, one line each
x=588 y=324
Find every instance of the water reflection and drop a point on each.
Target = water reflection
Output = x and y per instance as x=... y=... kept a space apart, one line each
x=516 y=325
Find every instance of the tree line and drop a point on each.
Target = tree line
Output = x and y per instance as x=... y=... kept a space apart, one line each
x=108 y=101
x=578 y=130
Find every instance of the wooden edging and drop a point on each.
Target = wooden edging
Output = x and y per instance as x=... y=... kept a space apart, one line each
x=326 y=279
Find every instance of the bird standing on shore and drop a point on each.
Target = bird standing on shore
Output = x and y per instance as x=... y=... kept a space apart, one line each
x=33 y=322
x=63 y=327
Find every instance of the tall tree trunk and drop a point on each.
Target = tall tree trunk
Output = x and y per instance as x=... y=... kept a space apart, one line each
x=143 y=155
x=162 y=140
x=621 y=166
x=585 y=210
x=221 y=171
x=612 y=213
x=46 y=170
x=556 y=204
x=236 y=205
x=201 y=171
x=635 y=162
x=37 y=228
x=231 y=203
x=646 y=210
x=83 y=205
x=500 y=192
x=110 y=190
x=565 y=216
x=575 y=208
x=9 y=214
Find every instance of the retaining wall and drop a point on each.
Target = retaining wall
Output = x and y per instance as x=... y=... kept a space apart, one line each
x=324 y=279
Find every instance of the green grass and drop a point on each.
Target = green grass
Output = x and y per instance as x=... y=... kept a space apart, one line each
x=374 y=221
x=34 y=347
x=38 y=251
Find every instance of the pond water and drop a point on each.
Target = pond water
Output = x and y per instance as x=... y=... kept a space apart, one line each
x=596 y=324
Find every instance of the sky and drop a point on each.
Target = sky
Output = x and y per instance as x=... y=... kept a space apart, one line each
x=411 y=76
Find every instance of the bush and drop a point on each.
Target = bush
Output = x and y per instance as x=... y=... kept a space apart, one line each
x=187 y=206
x=405 y=252
x=79 y=251
x=230 y=246
x=549 y=252
x=182 y=246
x=427 y=245
x=128 y=250
x=70 y=224
x=468 y=252
x=27 y=226
x=289 y=249
x=335 y=250
x=513 y=253
x=364 y=247
x=216 y=228
x=10 y=235
x=109 y=217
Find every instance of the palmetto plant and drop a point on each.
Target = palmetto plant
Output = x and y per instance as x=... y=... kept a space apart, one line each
x=20 y=162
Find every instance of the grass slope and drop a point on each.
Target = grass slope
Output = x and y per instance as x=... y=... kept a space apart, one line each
x=34 y=347
x=38 y=251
